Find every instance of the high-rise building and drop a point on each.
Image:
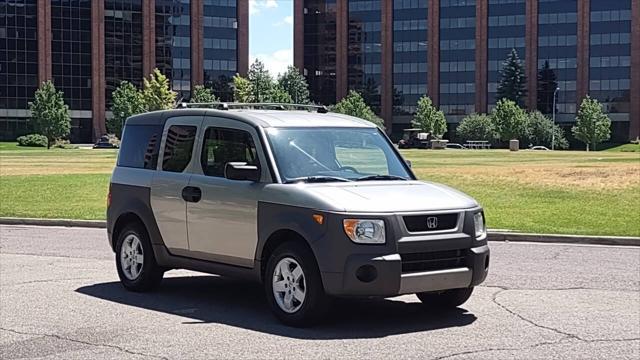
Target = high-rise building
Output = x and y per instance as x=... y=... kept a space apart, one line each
x=395 y=51
x=87 y=47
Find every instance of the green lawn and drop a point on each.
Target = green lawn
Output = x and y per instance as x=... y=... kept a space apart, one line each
x=626 y=148
x=596 y=193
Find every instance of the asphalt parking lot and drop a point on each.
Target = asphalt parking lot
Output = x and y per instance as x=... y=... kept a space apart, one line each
x=60 y=298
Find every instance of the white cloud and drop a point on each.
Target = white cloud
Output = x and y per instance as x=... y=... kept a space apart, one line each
x=256 y=5
x=277 y=61
x=288 y=20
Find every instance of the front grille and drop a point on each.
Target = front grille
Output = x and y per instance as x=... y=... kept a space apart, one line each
x=432 y=222
x=430 y=261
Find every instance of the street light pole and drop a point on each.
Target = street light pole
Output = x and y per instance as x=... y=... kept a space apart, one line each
x=553 y=130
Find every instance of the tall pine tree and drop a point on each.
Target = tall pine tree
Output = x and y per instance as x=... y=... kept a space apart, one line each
x=513 y=80
x=547 y=85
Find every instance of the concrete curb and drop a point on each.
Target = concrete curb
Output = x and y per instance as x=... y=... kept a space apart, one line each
x=99 y=224
x=565 y=239
x=494 y=235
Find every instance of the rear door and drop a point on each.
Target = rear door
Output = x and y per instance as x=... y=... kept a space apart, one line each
x=175 y=161
x=223 y=225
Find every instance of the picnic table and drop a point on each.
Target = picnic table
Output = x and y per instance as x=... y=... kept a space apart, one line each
x=478 y=144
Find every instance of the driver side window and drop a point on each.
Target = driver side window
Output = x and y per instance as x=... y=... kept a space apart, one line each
x=222 y=146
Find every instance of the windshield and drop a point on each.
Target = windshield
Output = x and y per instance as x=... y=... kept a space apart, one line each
x=334 y=154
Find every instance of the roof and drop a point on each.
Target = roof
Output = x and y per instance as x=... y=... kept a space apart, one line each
x=262 y=118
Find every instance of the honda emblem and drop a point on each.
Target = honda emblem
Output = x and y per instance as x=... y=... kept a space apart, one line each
x=432 y=222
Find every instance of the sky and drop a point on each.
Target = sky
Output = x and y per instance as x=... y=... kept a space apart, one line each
x=271 y=33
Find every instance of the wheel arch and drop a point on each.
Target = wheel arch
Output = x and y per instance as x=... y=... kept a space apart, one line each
x=122 y=222
x=276 y=239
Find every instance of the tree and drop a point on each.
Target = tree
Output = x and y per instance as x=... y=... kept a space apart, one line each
x=541 y=131
x=428 y=118
x=156 y=92
x=241 y=89
x=477 y=127
x=203 y=94
x=279 y=95
x=593 y=126
x=295 y=85
x=261 y=82
x=353 y=104
x=49 y=114
x=509 y=120
x=513 y=80
x=547 y=86
x=127 y=101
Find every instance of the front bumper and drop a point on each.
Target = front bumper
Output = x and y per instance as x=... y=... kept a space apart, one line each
x=382 y=275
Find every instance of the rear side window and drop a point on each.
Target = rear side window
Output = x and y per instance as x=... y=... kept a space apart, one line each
x=178 y=148
x=139 y=147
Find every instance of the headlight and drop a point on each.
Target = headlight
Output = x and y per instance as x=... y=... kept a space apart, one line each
x=481 y=229
x=364 y=231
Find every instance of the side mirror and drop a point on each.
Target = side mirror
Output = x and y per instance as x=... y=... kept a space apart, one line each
x=241 y=171
x=408 y=163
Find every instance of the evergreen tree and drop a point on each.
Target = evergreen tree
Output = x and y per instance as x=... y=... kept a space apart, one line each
x=547 y=85
x=203 y=94
x=127 y=101
x=477 y=127
x=49 y=114
x=241 y=90
x=371 y=94
x=295 y=85
x=221 y=87
x=156 y=92
x=593 y=126
x=512 y=80
x=353 y=104
x=428 y=118
x=509 y=120
x=261 y=82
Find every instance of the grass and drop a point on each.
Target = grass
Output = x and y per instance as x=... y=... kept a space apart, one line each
x=626 y=148
x=595 y=193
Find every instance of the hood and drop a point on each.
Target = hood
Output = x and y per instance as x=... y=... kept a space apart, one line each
x=390 y=196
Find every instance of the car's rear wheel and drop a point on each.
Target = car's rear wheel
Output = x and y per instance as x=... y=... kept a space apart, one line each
x=445 y=299
x=137 y=267
x=293 y=286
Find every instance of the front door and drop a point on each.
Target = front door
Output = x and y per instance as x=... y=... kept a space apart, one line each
x=223 y=225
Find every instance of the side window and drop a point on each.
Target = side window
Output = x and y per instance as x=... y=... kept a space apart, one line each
x=221 y=146
x=178 y=148
x=140 y=146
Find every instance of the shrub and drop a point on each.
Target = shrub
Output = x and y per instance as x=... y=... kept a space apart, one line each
x=476 y=127
x=541 y=131
x=35 y=140
x=64 y=144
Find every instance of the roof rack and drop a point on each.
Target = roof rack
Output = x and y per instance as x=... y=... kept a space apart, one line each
x=272 y=106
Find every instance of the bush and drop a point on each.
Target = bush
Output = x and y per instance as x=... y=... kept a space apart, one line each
x=35 y=140
x=64 y=144
x=476 y=127
x=541 y=131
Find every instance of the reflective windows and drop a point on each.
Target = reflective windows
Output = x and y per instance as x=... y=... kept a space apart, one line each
x=320 y=49
x=173 y=41
x=220 y=42
x=178 y=147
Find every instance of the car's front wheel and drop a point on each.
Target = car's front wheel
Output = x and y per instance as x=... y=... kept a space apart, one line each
x=293 y=286
x=445 y=299
x=137 y=267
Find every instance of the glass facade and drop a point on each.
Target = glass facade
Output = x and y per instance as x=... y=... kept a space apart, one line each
x=505 y=31
x=71 y=51
x=457 y=56
x=610 y=54
x=409 y=54
x=320 y=50
x=18 y=55
x=365 y=50
x=220 y=45
x=123 y=44
x=557 y=51
x=173 y=43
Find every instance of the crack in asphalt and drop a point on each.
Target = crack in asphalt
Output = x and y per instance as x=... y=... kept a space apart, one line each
x=59 y=337
x=55 y=256
x=48 y=280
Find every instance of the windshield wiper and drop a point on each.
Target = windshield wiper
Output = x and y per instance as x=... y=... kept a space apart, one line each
x=317 y=179
x=381 y=177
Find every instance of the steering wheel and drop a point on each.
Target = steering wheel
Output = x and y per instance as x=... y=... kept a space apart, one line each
x=349 y=168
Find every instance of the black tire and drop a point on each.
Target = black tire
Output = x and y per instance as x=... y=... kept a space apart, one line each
x=151 y=274
x=316 y=303
x=447 y=299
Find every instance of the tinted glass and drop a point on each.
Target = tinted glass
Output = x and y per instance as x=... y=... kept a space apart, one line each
x=346 y=153
x=222 y=146
x=320 y=49
x=220 y=46
x=178 y=148
x=139 y=147
x=173 y=43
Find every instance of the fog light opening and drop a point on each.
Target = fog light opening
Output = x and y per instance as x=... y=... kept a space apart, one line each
x=366 y=273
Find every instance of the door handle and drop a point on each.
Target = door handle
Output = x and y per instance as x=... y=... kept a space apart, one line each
x=191 y=194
